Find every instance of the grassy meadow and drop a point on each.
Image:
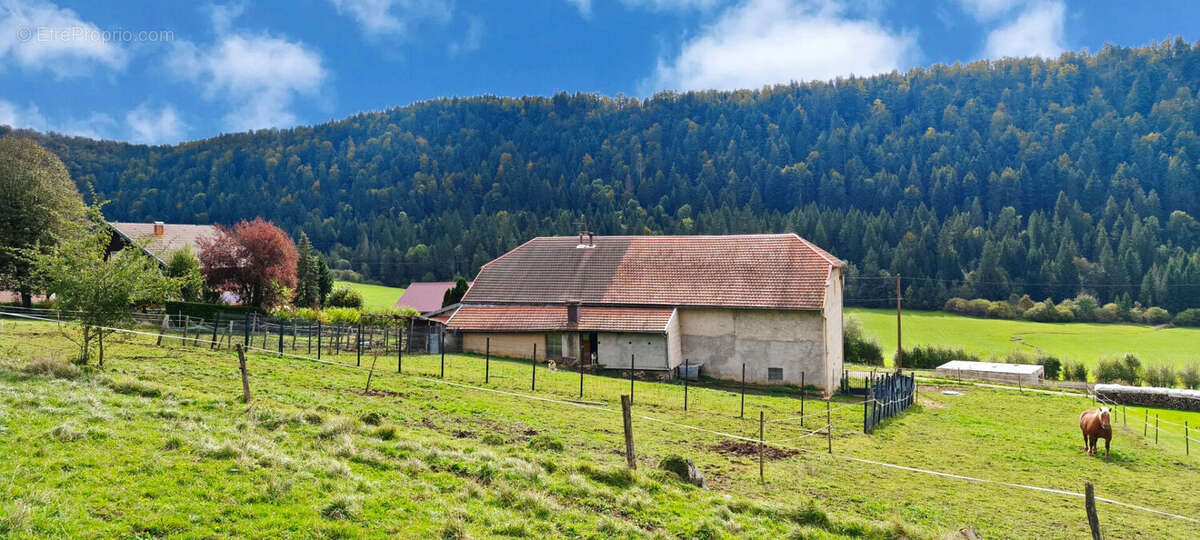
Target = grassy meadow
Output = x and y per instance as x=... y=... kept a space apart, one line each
x=375 y=297
x=158 y=443
x=1083 y=342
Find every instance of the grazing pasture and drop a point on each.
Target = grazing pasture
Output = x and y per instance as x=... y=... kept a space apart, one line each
x=160 y=444
x=1082 y=342
x=375 y=297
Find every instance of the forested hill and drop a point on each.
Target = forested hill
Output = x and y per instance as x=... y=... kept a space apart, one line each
x=1046 y=177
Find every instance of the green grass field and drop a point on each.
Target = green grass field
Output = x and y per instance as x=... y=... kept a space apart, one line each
x=375 y=297
x=158 y=443
x=1082 y=342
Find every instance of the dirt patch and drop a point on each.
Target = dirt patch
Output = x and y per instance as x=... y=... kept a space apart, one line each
x=381 y=393
x=747 y=448
x=462 y=434
x=929 y=403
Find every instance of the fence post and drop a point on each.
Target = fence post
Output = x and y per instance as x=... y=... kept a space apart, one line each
x=866 y=398
x=1089 y=504
x=686 y=365
x=216 y=322
x=309 y=340
x=371 y=373
x=161 y=329
x=245 y=377
x=187 y=323
x=1145 y=421
x=1155 y=428
x=761 y=436
x=803 y=391
x=742 y=412
x=580 y=376
x=281 y=338
x=1187 y=441
x=320 y=332
x=533 y=374
x=442 y=351
x=626 y=404
x=487 y=361
x=829 y=425
x=630 y=377
x=246 y=331
x=400 y=349
x=358 y=345
x=228 y=336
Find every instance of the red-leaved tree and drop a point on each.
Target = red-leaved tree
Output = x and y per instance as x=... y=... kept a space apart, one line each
x=254 y=259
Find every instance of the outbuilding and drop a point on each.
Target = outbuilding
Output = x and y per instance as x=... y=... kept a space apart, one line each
x=769 y=302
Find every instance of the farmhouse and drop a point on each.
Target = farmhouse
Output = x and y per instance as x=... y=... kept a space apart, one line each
x=770 y=302
x=425 y=296
x=159 y=240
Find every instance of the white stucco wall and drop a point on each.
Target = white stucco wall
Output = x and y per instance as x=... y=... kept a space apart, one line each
x=649 y=350
x=833 y=329
x=723 y=339
x=674 y=342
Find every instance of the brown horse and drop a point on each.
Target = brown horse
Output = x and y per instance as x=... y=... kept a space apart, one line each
x=1096 y=425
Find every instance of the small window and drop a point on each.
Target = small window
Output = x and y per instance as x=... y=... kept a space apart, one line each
x=775 y=374
x=553 y=345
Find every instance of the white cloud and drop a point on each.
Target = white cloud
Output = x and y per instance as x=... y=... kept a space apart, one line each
x=776 y=41
x=669 y=5
x=42 y=36
x=27 y=117
x=988 y=9
x=393 y=17
x=1037 y=31
x=223 y=15
x=151 y=126
x=471 y=41
x=584 y=6
x=258 y=74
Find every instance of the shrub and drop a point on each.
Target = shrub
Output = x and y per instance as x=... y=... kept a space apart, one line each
x=978 y=307
x=1086 y=307
x=1074 y=371
x=956 y=305
x=51 y=367
x=546 y=442
x=345 y=297
x=1048 y=312
x=341 y=507
x=1001 y=310
x=1127 y=369
x=858 y=349
x=342 y=315
x=1189 y=376
x=1051 y=367
x=1108 y=370
x=1156 y=316
x=1110 y=313
x=1131 y=369
x=1161 y=375
x=931 y=356
x=134 y=387
x=1188 y=317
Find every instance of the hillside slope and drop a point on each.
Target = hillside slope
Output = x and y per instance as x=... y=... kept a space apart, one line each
x=1044 y=177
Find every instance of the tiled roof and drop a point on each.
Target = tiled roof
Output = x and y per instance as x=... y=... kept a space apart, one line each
x=425 y=296
x=554 y=318
x=780 y=271
x=175 y=236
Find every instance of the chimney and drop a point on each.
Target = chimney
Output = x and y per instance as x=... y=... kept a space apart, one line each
x=159 y=228
x=586 y=239
x=572 y=311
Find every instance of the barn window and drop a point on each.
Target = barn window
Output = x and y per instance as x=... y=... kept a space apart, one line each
x=775 y=374
x=553 y=345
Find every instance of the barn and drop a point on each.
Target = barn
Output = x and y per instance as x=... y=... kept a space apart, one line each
x=770 y=302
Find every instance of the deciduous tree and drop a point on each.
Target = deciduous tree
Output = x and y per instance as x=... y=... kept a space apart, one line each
x=254 y=259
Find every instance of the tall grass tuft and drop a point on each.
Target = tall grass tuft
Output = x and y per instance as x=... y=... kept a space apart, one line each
x=341 y=507
x=52 y=367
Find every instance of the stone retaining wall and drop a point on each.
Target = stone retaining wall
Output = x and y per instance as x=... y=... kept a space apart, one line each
x=1169 y=398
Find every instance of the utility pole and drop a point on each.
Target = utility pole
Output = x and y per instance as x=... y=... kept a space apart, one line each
x=899 y=342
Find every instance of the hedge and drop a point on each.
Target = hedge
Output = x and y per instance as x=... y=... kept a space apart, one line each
x=205 y=311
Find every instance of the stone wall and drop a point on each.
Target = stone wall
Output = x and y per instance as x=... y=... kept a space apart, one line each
x=723 y=339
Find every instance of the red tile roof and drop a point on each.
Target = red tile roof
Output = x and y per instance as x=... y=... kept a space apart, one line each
x=175 y=237
x=425 y=296
x=554 y=318
x=777 y=271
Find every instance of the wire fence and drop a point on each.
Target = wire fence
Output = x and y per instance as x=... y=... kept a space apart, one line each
x=787 y=442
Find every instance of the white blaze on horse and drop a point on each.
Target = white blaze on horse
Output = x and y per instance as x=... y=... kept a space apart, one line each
x=1096 y=425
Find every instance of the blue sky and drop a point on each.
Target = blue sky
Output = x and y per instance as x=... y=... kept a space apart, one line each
x=163 y=72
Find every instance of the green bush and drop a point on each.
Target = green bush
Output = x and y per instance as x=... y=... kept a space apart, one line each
x=1156 y=316
x=1161 y=375
x=1074 y=371
x=1127 y=369
x=1189 y=376
x=546 y=442
x=208 y=312
x=931 y=356
x=1001 y=310
x=1110 y=313
x=1051 y=367
x=345 y=297
x=1188 y=317
x=856 y=348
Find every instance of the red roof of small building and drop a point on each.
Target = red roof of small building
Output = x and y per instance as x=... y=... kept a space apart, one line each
x=554 y=319
x=425 y=296
x=765 y=271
